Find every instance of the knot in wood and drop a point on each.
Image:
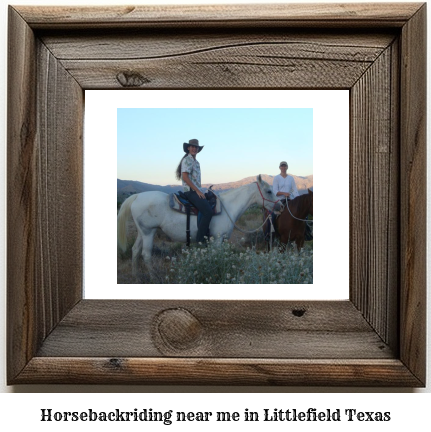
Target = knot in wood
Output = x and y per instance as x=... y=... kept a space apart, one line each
x=115 y=363
x=178 y=328
x=131 y=79
x=298 y=312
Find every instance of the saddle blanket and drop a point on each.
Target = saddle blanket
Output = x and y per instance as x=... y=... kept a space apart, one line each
x=176 y=204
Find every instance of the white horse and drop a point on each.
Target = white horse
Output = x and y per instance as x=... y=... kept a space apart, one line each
x=150 y=210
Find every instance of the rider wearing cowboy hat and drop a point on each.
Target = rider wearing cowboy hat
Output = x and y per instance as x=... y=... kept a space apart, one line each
x=189 y=171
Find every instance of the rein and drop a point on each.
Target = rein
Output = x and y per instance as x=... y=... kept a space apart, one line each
x=263 y=205
x=294 y=217
x=240 y=229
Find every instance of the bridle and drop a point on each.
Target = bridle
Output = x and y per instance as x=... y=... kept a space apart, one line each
x=275 y=202
x=294 y=217
x=264 y=222
x=266 y=199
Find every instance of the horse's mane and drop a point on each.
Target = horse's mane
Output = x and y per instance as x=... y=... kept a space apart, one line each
x=230 y=191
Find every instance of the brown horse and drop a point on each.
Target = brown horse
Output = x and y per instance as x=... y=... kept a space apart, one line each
x=290 y=228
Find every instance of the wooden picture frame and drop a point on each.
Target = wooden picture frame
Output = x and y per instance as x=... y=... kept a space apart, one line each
x=376 y=338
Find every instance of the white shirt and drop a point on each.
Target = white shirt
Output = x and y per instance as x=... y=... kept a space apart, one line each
x=287 y=184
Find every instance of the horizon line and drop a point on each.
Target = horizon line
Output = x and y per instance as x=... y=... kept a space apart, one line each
x=208 y=183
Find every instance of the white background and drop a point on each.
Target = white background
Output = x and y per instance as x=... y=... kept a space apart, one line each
x=23 y=410
x=330 y=175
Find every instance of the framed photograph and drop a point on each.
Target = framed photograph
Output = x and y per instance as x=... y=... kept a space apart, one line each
x=243 y=134
x=246 y=133
x=375 y=337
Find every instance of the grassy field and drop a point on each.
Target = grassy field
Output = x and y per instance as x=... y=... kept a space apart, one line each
x=173 y=262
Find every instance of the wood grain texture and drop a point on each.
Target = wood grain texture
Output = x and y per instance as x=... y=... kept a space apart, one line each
x=196 y=371
x=375 y=338
x=193 y=59
x=59 y=182
x=393 y=227
x=274 y=65
x=141 y=44
x=374 y=195
x=235 y=329
x=413 y=194
x=300 y=15
x=21 y=196
x=44 y=193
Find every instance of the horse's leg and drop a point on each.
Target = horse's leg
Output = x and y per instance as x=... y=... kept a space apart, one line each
x=284 y=240
x=298 y=247
x=302 y=242
x=270 y=238
x=299 y=244
x=143 y=245
x=136 y=252
x=147 y=247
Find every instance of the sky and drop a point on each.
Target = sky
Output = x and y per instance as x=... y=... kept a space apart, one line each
x=238 y=142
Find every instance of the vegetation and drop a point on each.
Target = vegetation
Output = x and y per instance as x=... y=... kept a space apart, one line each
x=223 y=263
x=241 y=260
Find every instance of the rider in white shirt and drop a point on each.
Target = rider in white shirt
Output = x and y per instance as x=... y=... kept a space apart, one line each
x=284 y=184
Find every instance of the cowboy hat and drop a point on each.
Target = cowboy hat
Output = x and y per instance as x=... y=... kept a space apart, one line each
x=193 y=142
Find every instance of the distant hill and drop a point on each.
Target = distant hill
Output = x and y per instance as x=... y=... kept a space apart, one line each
x=129 y=187
x=302 y=183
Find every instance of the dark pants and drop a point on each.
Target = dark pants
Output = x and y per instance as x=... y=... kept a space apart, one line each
x=204 y=207
x=267 y=229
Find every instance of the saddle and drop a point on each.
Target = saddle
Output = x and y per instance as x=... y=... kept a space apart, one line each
x=179 y=202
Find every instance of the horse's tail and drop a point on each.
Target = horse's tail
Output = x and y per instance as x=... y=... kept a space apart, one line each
x=122 y=218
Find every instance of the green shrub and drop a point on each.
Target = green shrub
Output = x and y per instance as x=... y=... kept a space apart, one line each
x=221 y=263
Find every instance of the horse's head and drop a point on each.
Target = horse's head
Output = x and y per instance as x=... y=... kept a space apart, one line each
x=266 y=196
x=310 y=193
